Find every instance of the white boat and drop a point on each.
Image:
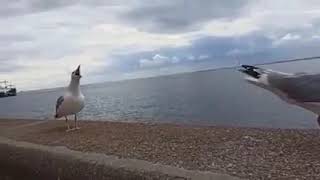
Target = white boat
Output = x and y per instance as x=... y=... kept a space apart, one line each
x=7 y=89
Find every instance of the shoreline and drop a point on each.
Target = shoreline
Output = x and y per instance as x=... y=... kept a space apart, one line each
x=249 y=153
x=193 y=124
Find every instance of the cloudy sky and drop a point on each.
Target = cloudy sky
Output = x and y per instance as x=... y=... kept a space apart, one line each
x=42 y=41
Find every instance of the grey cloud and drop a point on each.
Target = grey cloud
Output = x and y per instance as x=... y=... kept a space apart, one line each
x=8 y=66
x=10 y=8
x=19 y=7
x=29 y=49
x=7 y=39
x=181 y=15
x=220 y=51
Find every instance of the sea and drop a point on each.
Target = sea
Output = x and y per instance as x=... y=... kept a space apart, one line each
x=205 y=98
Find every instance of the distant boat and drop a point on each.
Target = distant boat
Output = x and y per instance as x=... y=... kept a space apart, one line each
x=7 y=89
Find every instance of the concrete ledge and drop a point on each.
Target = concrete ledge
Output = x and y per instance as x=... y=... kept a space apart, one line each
x=23 y=160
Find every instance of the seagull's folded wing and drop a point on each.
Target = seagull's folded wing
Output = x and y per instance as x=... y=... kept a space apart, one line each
x=302 y=88
x=59 y=102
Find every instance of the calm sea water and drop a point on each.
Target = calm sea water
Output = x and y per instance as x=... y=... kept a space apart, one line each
x=204 y=98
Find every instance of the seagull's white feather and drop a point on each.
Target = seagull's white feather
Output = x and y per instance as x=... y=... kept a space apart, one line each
x=71 y=105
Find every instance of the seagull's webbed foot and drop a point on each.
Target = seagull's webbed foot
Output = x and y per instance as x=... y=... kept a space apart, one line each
x=70 y=129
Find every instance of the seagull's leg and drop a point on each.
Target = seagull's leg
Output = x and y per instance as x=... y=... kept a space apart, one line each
x=319 y=120
x=75 y=122
x=68 y=127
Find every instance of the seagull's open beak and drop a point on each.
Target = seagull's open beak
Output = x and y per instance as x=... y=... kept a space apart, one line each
x=243 y=69
x=250 y=70
x=77 y=72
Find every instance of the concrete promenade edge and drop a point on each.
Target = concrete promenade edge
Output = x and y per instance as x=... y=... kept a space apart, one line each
x=33 y=161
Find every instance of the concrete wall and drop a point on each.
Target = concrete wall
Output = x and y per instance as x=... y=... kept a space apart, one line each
x=27 y=161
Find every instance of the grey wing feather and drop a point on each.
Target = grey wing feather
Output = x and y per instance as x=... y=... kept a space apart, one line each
x=59 y=102
x=301 y=87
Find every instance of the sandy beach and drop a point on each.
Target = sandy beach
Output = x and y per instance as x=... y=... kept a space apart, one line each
x=248 y=153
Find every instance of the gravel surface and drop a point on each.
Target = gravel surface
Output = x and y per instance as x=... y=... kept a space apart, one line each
x=243 y=152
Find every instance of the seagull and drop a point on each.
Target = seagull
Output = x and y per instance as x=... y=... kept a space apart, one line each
x=300 y=89
x=72 y=101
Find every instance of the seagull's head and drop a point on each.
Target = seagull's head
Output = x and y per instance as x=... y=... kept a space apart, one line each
x=252 y=71
x=76 y=73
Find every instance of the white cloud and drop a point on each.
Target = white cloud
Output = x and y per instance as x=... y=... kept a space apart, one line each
x=43 y=42
x=191 y=58
x=120 y=36
x=158 y=61
x=47 y=73
x=234 y=52
x=290 y=36
x=315 y=37
x=203 y=56
x=234 y=27
x=57 y=40
x=175 y=59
